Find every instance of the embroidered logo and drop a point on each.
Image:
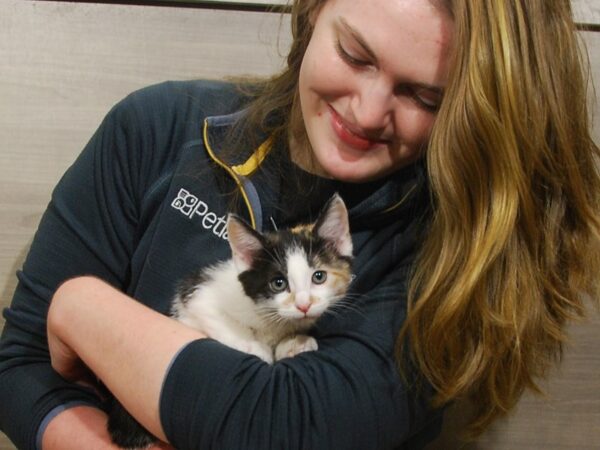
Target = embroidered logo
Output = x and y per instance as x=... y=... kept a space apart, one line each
x=191 y=206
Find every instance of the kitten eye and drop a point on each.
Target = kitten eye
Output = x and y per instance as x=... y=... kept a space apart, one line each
x=319 y=277
x=278 y=284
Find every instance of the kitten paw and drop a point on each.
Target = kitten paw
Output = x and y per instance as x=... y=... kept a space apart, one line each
x=261 y=350
x=294 y=345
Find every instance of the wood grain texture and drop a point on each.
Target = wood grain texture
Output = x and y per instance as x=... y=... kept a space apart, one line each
x=584 y=11
x=63 y=65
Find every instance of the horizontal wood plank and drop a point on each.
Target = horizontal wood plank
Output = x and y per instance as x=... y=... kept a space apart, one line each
x=584 y=11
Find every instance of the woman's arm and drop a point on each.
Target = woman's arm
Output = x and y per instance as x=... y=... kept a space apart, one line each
x=346 y=395
x=123 y=342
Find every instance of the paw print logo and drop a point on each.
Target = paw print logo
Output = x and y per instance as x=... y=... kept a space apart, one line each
x=185 y=202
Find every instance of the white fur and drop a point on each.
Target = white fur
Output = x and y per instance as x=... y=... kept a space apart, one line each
x=306 y=293
x=293 y=345
x=220 y=308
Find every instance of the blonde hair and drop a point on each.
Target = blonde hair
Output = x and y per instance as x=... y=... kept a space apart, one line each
x=513 y=245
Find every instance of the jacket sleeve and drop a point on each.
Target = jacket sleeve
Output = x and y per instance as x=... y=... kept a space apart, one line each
x=347 y=395
x=88 y=228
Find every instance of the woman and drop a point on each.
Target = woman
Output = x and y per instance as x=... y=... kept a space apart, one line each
x=514 y=216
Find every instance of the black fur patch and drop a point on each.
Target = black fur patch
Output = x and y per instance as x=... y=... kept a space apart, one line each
x=125 y=431
x=188 y=285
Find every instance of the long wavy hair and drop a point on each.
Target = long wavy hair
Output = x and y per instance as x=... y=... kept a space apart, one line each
x=513 y=246
x=513 y=243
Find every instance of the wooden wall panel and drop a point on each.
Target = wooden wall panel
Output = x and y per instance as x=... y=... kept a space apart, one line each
x=585 y=11
x=63 y=65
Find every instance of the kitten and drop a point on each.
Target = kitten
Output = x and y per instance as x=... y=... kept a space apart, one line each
x=265 y=298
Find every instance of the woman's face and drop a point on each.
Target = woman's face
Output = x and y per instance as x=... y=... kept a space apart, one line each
x=370 y=83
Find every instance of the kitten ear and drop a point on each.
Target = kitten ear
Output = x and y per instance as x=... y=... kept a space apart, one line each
x=245 y=243
x=333 y=226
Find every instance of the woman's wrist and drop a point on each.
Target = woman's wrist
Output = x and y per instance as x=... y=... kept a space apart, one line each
x=76 y=428
x=80 y=427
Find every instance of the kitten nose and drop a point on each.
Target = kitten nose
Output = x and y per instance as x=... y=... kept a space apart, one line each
x=303 y=308
x=302 y=302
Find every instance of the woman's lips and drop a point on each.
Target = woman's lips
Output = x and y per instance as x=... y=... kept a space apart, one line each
x=348 y=136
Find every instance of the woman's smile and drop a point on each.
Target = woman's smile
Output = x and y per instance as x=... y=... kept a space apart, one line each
x=352 y=135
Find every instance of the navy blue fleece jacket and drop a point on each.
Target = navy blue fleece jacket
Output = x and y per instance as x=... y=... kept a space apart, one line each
x=145 y=204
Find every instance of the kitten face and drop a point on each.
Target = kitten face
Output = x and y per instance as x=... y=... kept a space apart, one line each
x=295 y=275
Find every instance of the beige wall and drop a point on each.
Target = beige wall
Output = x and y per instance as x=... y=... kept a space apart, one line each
x=63 y=65
x=587 y=11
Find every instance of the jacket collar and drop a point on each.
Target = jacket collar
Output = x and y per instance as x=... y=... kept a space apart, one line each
x=243 y=161
x=241 y=164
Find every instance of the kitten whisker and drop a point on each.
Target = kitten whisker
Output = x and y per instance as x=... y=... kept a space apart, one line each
x=271 y=316
x=346 y=304
x=353 y=296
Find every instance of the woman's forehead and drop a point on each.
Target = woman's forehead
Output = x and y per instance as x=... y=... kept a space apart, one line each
x=410 y=38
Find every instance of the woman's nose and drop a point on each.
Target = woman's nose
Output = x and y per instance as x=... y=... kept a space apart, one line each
x=372 y=107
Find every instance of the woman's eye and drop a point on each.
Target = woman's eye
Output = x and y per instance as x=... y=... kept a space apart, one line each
x=319 y=277
x=428 y=101
x=278 y=284
x=353 y=61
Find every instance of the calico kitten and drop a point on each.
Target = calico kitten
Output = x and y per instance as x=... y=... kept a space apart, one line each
x=265 y=298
